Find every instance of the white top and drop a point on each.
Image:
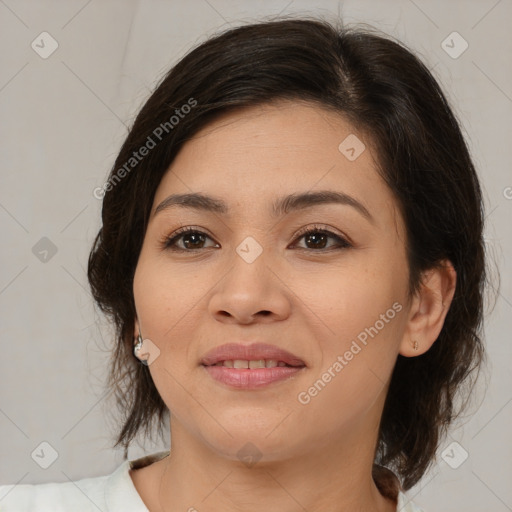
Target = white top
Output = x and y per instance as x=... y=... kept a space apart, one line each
x=109 y=493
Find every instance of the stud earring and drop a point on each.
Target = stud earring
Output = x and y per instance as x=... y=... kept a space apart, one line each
x=415 y=345
x=137 y=348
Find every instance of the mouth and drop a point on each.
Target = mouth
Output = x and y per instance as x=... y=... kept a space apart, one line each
x=251 y=366
x=255 y=355
x=242 y=364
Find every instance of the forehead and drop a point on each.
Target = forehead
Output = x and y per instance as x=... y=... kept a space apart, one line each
x=253 y=155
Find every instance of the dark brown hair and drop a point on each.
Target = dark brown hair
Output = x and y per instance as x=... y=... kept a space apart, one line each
x=386 y=92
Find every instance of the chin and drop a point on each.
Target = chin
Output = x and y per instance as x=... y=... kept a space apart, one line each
x=249 y=432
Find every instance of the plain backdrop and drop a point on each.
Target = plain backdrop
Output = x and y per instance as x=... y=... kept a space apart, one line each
x=63 y=119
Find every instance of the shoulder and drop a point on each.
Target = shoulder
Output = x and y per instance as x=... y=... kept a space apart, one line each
x=114 y=492
x=83 y=495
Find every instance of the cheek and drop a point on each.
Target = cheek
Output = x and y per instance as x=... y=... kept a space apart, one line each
x=166 y=299
x=356 y=363
x=165 y=309
x=347 y=299
x=361 y=309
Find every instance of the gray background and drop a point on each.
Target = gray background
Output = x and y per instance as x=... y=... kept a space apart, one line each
x=64 y=118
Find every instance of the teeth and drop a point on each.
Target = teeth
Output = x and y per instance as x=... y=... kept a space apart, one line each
x=257 y=364
x=243 y=364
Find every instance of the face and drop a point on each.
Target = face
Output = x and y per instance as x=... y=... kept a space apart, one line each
x=323 y=279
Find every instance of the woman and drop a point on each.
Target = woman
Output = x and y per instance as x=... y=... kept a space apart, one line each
x=292 y=248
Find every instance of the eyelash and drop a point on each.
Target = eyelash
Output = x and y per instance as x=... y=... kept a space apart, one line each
x=169 y=242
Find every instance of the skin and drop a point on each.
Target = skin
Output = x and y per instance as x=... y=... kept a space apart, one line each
x=311 y=301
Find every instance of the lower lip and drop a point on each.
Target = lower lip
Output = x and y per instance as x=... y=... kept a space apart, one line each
x=251 y=378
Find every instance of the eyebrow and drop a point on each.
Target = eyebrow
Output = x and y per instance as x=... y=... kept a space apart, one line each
x=280 y=207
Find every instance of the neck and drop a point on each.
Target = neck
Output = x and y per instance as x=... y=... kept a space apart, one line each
x=333 y=475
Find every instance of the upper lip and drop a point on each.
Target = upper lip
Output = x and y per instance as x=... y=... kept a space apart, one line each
x=252 y=352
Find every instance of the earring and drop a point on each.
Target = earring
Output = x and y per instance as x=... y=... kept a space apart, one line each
x=137 y=348
x=415 y=345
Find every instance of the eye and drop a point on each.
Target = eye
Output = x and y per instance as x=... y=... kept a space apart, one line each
x=318 y=236
x=193 y=239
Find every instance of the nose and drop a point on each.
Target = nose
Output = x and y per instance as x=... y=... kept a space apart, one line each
x=251 y=290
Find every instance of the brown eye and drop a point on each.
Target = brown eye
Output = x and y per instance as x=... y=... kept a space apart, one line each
x=317 y=239
x=191 y=238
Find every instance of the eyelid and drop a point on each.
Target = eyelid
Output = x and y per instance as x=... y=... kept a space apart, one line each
x=330 y=231
x=166 y=241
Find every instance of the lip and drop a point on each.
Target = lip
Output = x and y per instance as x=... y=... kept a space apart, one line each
x=251 y=378
x=252 y=352
x=255 y=377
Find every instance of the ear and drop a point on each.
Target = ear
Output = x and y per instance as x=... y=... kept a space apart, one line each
x=428 y=309
x=136 y=329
